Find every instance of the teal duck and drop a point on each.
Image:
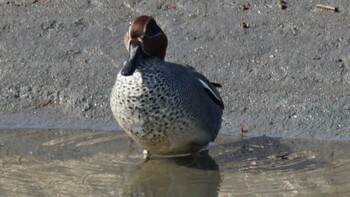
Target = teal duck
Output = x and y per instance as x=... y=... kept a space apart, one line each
x=167 y=108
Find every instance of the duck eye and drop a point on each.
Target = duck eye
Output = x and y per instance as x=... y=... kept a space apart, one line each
x=153 y=29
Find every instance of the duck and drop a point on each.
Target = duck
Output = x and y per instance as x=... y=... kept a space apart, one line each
x=167 y=108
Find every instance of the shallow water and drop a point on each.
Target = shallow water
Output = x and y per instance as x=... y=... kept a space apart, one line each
x=102 y=163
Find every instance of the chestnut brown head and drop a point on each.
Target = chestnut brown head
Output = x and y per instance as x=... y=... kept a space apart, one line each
x=145 y=32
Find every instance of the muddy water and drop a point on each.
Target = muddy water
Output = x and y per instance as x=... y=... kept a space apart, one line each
x=101 y=163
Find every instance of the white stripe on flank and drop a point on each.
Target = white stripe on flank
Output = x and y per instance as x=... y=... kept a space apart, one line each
x=207 y=87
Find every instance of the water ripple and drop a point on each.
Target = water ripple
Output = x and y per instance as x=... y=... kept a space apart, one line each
x=99 y=163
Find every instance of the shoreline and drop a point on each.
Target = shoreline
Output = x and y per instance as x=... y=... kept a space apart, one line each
x=286 y=73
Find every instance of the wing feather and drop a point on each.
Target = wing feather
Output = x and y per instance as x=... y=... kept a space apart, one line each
x=213 y=94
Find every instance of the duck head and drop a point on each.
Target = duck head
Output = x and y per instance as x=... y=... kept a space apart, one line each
x=144 y=39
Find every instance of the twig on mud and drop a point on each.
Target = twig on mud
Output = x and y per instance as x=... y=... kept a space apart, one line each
x=244 y=144
x=244 y=25
x=327 y=7
x=282 y=4
x=245 y=7
x=242 y=130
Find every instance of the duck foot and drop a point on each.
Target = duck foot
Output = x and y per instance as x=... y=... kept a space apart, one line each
x=146 y=155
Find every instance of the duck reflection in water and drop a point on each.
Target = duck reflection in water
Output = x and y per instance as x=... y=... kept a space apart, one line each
x=181 y=176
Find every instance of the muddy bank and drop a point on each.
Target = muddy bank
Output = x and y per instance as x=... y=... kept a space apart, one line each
x=286 y=74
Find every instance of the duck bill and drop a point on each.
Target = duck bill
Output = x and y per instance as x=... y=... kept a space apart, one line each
x=135 y=58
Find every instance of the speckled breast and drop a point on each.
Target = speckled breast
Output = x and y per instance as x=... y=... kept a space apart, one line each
x=147 y=105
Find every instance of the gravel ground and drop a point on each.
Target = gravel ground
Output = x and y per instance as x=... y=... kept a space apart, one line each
x=286 y=72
